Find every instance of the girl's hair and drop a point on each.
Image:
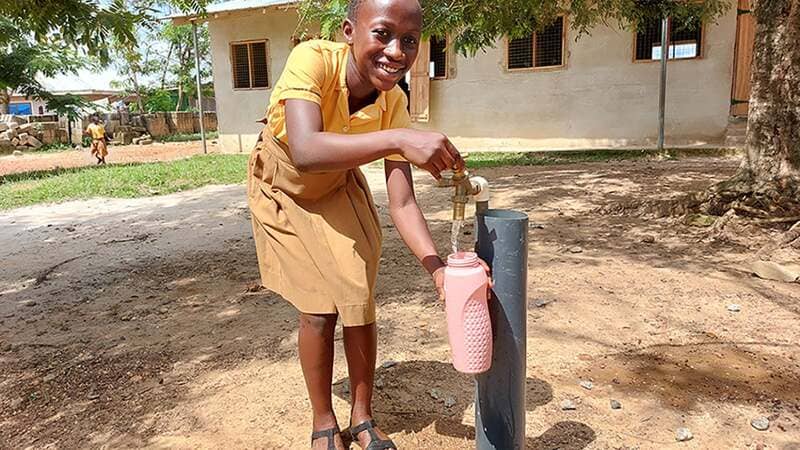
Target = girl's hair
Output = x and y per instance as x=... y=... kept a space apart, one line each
x=352 y=9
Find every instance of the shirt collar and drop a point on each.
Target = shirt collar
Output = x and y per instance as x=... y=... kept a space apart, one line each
x=380 y=101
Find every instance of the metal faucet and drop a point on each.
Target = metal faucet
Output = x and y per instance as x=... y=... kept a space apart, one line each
x=467 y=187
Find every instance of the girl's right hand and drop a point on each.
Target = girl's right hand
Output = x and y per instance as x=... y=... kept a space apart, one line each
x=431 y=151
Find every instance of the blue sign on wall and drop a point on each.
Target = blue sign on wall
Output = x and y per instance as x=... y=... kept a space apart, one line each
x=20 y=109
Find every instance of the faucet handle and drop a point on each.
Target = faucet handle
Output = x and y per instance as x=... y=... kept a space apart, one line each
x=447 y=179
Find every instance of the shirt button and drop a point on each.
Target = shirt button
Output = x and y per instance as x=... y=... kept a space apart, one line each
x=345 y=128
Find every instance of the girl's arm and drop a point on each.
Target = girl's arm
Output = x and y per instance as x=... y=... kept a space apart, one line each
x=313 y=150
x=410 y=222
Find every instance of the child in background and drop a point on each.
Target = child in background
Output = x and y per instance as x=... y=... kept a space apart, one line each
x=316 y=229
x=97 y=132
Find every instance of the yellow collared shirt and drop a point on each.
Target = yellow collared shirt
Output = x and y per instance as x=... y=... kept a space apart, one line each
x=315 y=71
x=96 y=130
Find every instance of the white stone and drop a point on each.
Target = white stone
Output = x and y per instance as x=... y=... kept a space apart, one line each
x=683 y=435
x=760 y=423
x=568 y=405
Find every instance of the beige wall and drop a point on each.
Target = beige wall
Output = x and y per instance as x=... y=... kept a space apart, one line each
x=600 y=99
x=239 y=110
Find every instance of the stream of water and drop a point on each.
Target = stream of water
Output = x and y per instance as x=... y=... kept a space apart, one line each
x=454 y=233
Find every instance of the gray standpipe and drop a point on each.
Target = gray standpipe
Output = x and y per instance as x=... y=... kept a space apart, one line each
x=500 y=392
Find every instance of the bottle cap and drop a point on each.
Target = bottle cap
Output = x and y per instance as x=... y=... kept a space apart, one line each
x=463 y=259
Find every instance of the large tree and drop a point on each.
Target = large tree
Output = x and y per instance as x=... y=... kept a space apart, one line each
x=40 y=38
x=179 y=64
x=769 y=178
x=768 y=182
x=23 y=62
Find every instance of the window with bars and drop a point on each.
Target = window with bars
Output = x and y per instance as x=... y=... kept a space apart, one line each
x=250 y=65
x=540 y=49
x=438 y=57
x=685 y=40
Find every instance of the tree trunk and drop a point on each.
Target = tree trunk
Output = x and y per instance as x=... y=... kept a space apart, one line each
x=166 y=66
x=768 y=181
x=5 y=100
x=180 y=97
x=138 y=90
x=773 y=129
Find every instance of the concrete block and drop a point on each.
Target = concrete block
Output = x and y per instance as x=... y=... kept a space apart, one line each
x=19 y=120
x=8 y=134
x=15 y=141
x=112 y=126
x=3 y=126
x=23 y=136
x=10 y=118
x=33 y=142
x=124 y=138
x=43 y=118
x=209 y=121
x=156 y=124
x=12 y=125
x=182 y=122
x=49 y=136
x=26 y=128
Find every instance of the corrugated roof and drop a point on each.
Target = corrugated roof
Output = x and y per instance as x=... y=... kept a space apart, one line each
x=235 y=5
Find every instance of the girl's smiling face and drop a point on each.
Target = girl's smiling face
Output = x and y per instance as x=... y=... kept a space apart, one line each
x=384 y=40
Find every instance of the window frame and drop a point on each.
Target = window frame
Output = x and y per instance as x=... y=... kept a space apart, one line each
x=564 y=52
x=447 y=54
x=701 y=51
x=265 y=41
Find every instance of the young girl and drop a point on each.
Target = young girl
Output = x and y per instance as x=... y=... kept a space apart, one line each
x=335 y=107
x=97 y=132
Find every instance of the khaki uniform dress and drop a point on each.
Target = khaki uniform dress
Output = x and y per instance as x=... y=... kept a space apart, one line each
x=317 y=235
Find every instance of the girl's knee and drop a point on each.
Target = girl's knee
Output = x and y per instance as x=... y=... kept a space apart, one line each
x=318 y=323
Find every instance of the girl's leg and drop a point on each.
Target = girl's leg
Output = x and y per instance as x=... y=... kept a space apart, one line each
x=315 y=345
x=360 y=346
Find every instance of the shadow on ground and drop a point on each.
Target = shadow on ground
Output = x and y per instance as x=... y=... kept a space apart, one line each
x=414 y=395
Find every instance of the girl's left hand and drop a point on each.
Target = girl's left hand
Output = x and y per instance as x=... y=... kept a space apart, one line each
x=438 y=279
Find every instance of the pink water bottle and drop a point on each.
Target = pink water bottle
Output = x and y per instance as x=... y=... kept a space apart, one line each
x=468 y=325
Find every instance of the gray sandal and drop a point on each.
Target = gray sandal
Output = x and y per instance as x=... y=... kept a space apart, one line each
x=375 y=443
x=330 y=433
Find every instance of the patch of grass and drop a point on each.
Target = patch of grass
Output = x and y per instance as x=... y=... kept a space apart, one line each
x=477 y=160
x=187 y=137
x=146 y=179
x=486 y=159
x=121 y=180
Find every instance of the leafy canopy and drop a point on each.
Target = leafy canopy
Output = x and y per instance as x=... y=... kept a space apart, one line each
x=476 y=24
x=89 y=25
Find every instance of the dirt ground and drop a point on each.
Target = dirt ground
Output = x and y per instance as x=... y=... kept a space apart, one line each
x=31 y=161
x=135 y=323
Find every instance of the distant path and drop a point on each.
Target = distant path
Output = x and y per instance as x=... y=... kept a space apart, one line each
x=117 y=154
